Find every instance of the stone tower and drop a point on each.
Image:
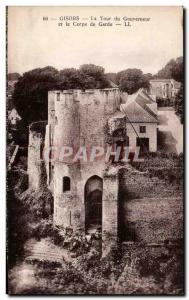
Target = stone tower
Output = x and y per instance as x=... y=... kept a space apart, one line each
x=85 y=190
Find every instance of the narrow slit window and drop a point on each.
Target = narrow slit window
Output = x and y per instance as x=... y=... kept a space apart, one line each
x=41 y=151
x=58 y=96
x=66 y=184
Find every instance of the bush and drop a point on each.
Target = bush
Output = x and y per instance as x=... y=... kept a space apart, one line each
x=42 y=229
x=166 y=167
x=41 y=202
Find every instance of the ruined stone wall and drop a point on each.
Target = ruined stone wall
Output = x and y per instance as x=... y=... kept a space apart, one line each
x=161 y=89
x=95 y=108
x=137 y=184
x=67 y=127
x=80 y=119
x=68 y=206
x=36 y=166
x=156 y=88
x=110 y=211
x=49 y=138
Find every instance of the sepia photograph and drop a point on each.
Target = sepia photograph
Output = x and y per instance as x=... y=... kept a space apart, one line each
x=94 y=150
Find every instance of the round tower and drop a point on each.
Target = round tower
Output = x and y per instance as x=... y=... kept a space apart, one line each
x=67 y=203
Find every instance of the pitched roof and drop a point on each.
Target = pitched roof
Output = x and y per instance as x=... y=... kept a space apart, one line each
x=112 y=84
x=140 y=108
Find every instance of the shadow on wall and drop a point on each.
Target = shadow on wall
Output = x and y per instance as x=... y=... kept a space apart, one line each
x=126 y=229
x=93 y=203
x=166 y=142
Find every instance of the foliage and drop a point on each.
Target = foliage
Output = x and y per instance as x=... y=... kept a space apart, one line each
x=164 y=265
x=40 y=200
x=42 y=229
x=167 y=167
x=31 y=90
x=13 y=76
x=94 y=76
x=179 y=104
x=137 y=270
x=173 y=69
x=17 y=231
x=70 y=78
x=131 y=80
x=30 y=94
x=177 y=69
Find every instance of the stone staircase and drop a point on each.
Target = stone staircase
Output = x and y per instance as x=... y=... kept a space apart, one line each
x=45 y=250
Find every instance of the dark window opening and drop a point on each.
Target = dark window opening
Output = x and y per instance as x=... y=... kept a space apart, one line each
x=66 y=184
x=142 y=129
x=58 y=96
x=41 y=151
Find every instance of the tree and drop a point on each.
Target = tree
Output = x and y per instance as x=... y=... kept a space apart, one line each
x=88 y=76
x=30 y=94
x=131 y=80
x=94 y=76
x=179 y=104
x=13 y=76
x=173 y=69
x=177 y=70
x=76 y=79
x=70 y=78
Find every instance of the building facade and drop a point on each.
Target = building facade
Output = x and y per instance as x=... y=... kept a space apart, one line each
x=164 y=88
x=141 y=121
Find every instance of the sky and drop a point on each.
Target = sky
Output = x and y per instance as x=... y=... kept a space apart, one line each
x=148 y=45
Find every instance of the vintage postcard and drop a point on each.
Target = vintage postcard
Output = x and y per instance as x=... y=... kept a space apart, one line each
x=95 y=116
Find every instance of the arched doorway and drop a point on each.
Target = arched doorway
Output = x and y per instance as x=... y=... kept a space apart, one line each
x=93 y=203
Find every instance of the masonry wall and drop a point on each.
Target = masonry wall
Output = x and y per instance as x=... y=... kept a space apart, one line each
x=161 y=89
x=151 y=211
x=49 y=138
x=110 y=211
x=80 y=119
x=36 y=166
x=68 y=206
x=95 y=108
x=157 y=89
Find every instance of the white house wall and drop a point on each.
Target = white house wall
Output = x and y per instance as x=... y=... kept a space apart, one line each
x=151 y=133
